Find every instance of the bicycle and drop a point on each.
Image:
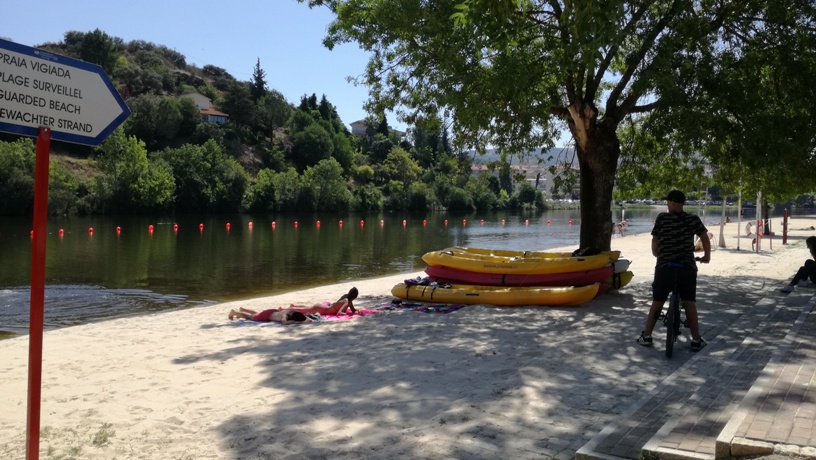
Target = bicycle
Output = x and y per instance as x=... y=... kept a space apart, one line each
x=671 y=319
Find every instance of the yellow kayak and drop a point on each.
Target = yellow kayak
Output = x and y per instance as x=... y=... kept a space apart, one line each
x=517 y=262
x=498 y=295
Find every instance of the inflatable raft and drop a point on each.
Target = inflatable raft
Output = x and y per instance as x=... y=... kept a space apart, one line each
x=443 y=274
x=498 y=295
x=517 y=262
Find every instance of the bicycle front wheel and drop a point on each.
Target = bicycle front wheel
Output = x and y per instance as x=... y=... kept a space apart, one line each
x=672 y=318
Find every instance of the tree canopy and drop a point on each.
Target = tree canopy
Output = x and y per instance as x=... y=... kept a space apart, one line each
x=729 y=81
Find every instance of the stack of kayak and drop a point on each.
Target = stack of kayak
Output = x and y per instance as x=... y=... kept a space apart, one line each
x=511 y=278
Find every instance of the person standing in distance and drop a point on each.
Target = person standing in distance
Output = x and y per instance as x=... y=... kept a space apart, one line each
x=673 y=242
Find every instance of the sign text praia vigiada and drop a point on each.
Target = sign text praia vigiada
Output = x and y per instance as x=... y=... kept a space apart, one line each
x=73 y=98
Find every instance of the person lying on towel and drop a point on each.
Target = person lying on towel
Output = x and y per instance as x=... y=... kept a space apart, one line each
x=271 y=315
x=344 y=305
x=297 y=313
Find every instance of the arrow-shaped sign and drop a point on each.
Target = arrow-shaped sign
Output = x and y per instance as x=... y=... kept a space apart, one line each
x=75 y=99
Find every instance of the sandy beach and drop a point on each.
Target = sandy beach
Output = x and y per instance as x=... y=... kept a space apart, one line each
x=478 y=382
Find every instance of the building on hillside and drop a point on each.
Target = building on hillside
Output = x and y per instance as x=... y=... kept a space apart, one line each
x=538 y=175
x=364 y=126
x=209 y=114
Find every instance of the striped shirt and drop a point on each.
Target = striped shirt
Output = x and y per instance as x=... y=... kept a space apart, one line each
x=675 y=233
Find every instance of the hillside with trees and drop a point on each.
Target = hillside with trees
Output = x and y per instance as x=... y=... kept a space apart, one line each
x=271 y=155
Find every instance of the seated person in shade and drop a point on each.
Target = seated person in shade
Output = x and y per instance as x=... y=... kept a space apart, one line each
x=807 y=271
x=343 y=305
x=272 y=315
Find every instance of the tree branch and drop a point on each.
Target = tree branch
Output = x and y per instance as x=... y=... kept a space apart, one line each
x=593 y=85
x=636 y=59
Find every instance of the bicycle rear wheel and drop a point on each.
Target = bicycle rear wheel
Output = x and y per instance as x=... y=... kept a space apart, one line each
x=672 y=320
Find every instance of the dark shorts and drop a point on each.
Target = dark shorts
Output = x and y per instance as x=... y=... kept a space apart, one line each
x=664 y=283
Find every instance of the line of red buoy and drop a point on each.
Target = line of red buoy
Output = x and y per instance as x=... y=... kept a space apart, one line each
x=150 y=228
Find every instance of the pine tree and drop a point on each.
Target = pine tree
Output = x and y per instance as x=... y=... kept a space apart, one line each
x=258 y=82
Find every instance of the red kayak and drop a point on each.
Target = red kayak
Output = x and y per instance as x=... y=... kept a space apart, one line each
x=455 y=276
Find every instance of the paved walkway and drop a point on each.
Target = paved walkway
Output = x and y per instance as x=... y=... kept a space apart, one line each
x=779 y=415
x=749 y=393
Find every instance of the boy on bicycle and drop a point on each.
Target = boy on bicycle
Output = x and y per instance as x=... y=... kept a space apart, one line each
x=673 y=242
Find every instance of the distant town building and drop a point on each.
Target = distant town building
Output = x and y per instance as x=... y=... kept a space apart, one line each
x=363 y=127
x=535 y=168
x=209 y=114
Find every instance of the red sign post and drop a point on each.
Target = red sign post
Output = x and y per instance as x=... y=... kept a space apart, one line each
x=35 y=348
x=45 y=95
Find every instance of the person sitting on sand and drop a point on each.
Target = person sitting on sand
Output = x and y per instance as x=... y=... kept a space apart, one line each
x=344 y=305
x=806 y=272
x=271 y=315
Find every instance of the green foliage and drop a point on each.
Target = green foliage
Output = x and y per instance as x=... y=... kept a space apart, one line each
x=368 y=198
x=17 y=177
x=206 y=179
x=62 y=191
x=99 y=48
x=459 y=200
x=484 y=199
x=139 y=81
x=129 y=181
x=258 y=85
x=730 y=83
x=326 y=187
x=310 y=146
x=400 y=166
x=273 y=111
x=288 y=189
x=260 y=196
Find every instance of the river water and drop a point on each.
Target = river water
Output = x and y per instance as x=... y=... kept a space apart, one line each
x=96 y=272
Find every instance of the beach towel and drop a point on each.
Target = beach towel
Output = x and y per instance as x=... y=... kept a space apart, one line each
x=315 y=317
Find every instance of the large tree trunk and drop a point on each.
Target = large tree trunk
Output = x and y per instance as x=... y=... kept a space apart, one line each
x=598 y=151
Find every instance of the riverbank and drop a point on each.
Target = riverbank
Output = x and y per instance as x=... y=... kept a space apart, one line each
x=480 y=382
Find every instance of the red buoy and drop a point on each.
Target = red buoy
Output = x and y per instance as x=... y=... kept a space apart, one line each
x=175 y=227
x=464 y=221
x=90 y=230
x=118 y=229
x=318 y=223
x=150 y=228
x=228 y=225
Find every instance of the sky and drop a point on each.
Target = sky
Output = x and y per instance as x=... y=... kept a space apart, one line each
x=232 y=34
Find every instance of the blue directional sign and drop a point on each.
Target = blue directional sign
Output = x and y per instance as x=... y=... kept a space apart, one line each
x=75 y=99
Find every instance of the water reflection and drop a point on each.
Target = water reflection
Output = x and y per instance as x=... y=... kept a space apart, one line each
x=187 y=261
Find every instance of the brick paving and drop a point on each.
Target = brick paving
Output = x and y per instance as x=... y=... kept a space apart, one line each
x=781 y=413
x=750 y=392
